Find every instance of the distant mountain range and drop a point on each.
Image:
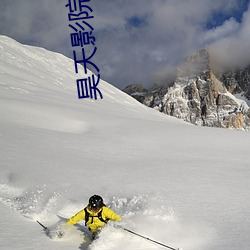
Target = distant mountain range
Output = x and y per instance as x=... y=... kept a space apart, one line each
x=201 y=94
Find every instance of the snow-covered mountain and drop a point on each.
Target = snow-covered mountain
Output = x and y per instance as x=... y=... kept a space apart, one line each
x=182 y=185
x=201 y=96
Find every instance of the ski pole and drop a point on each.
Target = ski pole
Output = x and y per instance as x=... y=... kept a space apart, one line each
x=45 y=228
x=146 y=238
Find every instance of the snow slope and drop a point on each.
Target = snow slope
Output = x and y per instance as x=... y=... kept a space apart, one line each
x=176 y=183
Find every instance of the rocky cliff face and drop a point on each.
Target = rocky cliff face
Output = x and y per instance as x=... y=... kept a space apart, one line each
x=237 y=81
x=201 y=97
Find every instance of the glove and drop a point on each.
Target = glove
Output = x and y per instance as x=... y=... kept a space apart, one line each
x=60 y=234
x=62 y=229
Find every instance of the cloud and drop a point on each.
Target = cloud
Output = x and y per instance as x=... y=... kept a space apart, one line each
x=228 y=28
x=138 y=41
x=169 y=31
x=41 y=23
x=233 y=49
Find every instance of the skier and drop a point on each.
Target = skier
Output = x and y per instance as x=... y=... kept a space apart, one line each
x=95 y=214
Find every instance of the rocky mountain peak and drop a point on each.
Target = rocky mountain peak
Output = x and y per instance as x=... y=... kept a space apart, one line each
x=196 y=64
x=202 y=97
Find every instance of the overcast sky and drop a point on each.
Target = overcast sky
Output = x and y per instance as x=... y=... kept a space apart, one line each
x=138 y=41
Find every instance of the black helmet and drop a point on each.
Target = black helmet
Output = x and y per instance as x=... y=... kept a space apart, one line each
x=96 y=202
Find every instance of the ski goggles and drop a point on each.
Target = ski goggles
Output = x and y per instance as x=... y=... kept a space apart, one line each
x=94 y=208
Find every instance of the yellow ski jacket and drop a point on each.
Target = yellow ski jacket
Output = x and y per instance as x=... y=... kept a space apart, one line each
x=94 y=223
